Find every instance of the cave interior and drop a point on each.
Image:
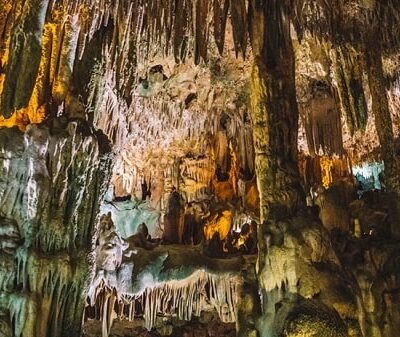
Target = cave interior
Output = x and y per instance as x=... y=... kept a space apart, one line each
x=199 y=168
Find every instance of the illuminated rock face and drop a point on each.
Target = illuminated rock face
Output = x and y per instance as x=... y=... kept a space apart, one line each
x=50 y=187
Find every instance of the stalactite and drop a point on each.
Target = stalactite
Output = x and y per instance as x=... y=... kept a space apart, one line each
x=201 y=30
x=222 y=151
x=180 y=28
x=143 y=32
x=220 y=11
x=239 y=133
x=234 y=170
x=321 y=119
x=319 y=17
x=5 y=29
x=22 y=67
x=65 y=60
x=184 y=298
x=326 y=171
x=348 y=73
x=196 y=175
x=386 y=16
x=239 y=23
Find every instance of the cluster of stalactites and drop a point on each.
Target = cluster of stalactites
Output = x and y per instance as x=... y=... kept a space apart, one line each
x=183 y=299
x=60 y=30
x=147 y=121
x=348 y=21
x=38 y=45
x=321 y=120
x=144 y=27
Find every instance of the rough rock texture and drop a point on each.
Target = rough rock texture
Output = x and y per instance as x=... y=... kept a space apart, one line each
x=51 y=183
x=121 y=66
x=274 y=111
x=341 y=282
x=305 y=285
x=373 y=263
x=305 y=290
x=129 y=214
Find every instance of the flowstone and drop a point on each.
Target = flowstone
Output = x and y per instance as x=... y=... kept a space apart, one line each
x=51 y=184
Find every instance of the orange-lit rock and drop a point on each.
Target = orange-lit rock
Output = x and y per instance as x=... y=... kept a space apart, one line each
x=252 y=197
x=19 y=119
x=220 y=223
x=223 y=190
x=326 y=171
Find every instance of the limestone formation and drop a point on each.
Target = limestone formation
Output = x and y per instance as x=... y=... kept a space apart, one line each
x=51 y=184
x=165 y=164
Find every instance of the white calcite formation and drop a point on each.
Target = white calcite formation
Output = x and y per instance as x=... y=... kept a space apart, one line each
x=169 y=281
x=50 y=187
x=183 y=298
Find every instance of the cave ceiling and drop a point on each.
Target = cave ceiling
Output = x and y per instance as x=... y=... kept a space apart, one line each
x=162 y=79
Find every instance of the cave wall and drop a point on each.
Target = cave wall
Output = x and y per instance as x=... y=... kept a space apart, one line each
x=51 y=185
